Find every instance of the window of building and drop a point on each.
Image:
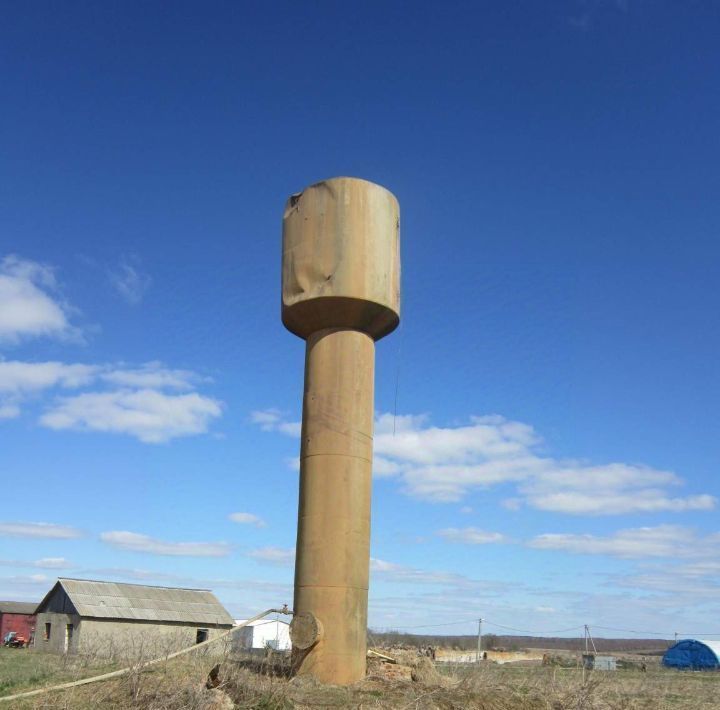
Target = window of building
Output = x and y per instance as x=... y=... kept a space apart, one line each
x=48 y=628
x=202 y=635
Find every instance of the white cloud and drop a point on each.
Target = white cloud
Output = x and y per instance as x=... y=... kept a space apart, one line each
x=282 y=556
x=153 y=375
x=137 y=542
x=27 y=308
x=613 y=488
x=141 y=575
x=19 y=378
x=485 y=438
x=130 y=281
x=28 y=580
x=704 y=568
x=267 y=419
x=272 y=420
x=672 y=582
x=393 y=572
x=52 y=563
x=471 y=536
x=151 y=416
x=9 y=411
x=444 y=464
x=44 y=563
x=137 y=405
x=247 y=519
x=671 y=541
x=39 y=530
x=641 y=501
x=404 y=574
x=384 y=468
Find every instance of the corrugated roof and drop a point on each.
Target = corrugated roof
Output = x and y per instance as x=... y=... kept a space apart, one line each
x=139 y=602
x=18 y=607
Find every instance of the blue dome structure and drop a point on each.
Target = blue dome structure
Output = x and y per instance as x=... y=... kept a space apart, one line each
x=692 y=654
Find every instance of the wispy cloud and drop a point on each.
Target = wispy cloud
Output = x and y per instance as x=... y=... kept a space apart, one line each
x=43 y=563
x=29 y=302
x=444 y=464
x=39 y=530
x=281 y=556
x=129 y=280
x=471 y=536
x=30 y=582
x=669 y=541
x=9 y=410
x=135 y=573
x=273 y=420
x=53 y=563
x=136 y=542
x=247 y=519
x=405 y=574
x=153 y=375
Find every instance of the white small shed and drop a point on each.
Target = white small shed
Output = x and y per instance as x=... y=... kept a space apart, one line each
x=263 y=633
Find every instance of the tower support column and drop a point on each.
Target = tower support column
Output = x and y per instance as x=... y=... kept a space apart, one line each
x=333 y=549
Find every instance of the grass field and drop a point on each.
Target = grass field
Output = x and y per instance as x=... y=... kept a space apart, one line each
x=180 y=684
x=21 y=669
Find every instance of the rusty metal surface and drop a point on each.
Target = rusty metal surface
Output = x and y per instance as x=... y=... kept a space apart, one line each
x=341 y=258
x=341 y=292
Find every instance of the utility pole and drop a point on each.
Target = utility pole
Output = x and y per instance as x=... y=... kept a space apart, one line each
x=478 y=657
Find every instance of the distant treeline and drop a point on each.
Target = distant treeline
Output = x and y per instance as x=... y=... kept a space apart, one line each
x=513 y=643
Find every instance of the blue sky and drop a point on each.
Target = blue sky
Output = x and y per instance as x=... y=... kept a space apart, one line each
x=555 y=447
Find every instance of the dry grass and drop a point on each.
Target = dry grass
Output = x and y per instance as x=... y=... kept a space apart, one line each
x=180 y=685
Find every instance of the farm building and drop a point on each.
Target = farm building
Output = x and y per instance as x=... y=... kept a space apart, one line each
x=263 y=633
x=114 y=619
x=18 y=617
x=692 y=654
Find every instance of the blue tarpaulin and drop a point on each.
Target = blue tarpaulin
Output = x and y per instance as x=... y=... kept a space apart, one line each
x=693 y=655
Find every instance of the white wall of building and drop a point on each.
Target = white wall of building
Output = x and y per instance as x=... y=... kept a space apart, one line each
x=263 y=633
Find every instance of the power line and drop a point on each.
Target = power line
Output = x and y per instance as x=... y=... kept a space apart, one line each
x=663 y=634
x=449 y=623
x=539 y=633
